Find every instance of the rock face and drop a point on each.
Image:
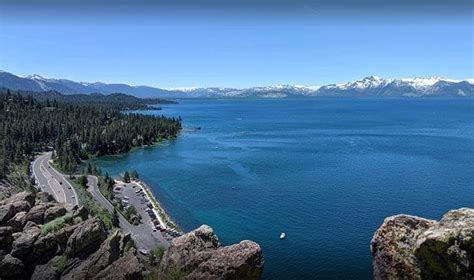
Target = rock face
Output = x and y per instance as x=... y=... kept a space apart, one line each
x=77 y=250
x=198 y=255
x=86 y=238
x=408 y=247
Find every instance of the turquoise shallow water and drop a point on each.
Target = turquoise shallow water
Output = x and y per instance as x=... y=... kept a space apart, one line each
x=325 y=171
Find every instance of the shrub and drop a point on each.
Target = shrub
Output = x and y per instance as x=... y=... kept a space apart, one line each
x=156 y=254
x=56 y=224
x=60 y=263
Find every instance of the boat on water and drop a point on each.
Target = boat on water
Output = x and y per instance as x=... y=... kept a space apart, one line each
x=282 y=235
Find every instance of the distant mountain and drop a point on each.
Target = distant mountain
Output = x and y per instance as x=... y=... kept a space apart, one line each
x=367 y=87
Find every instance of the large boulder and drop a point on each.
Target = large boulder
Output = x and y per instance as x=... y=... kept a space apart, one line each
x=127 y=267
x=239 y=261
x=199 y=255
x=6 y=213
x=23 y=245
x=108 y=262
x=81 y=212
x=25 y=196
x=446 y=250
x=51 y=270
x=11 y=268
x=54 y=243
x=190 y=249
x=409 y=247
x=36 y=214
x=54 y=212
x=86 y=238
x=44 y=197
x=19 y=202
x=18 y=221
x=6 y=240
x=108 y=252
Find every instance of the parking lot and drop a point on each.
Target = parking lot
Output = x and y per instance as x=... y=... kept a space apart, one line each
x=132 y=194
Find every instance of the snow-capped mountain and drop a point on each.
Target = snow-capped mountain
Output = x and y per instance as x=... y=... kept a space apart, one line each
x=372 y=86
x=409 y=87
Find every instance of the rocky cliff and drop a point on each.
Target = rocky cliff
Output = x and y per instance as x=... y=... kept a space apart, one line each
x=198 y=255
x=409 y=247
x=41 y=239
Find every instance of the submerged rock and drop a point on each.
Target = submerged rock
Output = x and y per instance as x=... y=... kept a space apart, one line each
x=409 y=247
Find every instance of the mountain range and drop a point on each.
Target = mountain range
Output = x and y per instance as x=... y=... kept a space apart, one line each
x=371 y=86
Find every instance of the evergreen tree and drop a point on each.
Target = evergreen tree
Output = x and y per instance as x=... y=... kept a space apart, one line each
x=134 y=174
x=83 y=181
x=115 y=219
x=74 y=131
x=89 y=168
x=126 y=177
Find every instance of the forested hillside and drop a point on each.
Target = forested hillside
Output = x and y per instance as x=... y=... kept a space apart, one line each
x=115 y=100
x=75 y=131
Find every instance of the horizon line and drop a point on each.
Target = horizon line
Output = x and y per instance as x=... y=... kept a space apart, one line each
x=184 y=88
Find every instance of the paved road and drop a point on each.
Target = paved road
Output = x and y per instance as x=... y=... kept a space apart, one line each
x=143 y=234
x=53 y=182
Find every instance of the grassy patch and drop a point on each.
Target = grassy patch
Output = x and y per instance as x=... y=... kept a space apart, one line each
x=60 y=263
x=130 y=244
x=56 y=224
x=156 y=254
x=174 y=273
x=103 y=187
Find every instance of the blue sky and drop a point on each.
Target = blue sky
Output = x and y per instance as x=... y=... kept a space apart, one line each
x=199 y=46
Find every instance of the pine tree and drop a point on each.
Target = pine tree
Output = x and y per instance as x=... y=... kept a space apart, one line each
x=126 y=177
x=115 y=219
x=134 y=174
x=83 y=181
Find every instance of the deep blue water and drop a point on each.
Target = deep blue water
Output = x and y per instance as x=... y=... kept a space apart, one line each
x=325 y=171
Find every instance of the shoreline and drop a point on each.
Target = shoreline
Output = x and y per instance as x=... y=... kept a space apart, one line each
x=159 y=210
x=163 y=217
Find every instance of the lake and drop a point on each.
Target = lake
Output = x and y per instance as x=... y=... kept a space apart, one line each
x=324 y=171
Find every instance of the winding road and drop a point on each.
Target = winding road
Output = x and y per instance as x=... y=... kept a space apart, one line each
x=53 y=182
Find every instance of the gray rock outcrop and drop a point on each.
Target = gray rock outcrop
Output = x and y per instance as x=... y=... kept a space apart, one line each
x=86 y=238
x=409 y=247
x=75 y=247
x=198 y=254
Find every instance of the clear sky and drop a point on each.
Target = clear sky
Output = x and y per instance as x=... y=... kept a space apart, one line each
x=236 y=44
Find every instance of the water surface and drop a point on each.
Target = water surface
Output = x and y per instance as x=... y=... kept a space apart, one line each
x=325 y=171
